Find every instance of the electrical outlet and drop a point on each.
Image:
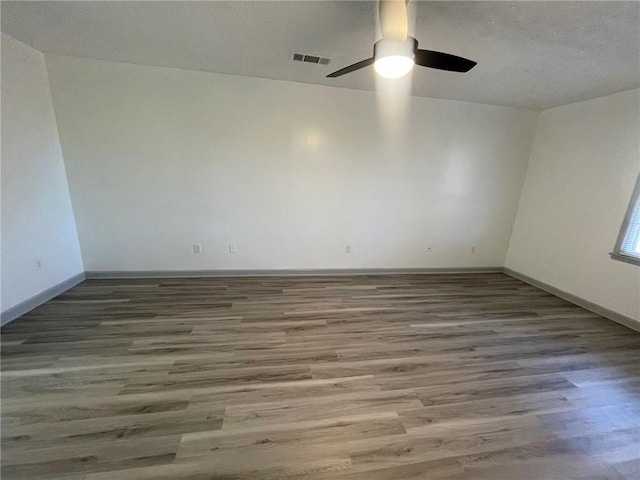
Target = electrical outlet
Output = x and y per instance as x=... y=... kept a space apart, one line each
x=37 y=264
x=233 y=248
x=197 y=248
x=347 y=249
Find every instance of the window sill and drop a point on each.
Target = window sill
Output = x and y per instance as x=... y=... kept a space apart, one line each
x=625 y=258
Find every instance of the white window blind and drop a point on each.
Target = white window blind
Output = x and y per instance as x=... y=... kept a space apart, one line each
x=628 y=245
x=631 y=242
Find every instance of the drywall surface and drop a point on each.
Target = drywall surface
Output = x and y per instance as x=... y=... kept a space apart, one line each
x=582 y=170
x=159 y=159
x=37 y=218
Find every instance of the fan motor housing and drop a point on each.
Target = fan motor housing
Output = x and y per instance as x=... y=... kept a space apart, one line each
x=388 y=47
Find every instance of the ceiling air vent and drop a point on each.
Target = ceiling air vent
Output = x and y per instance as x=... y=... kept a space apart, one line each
x=301 y=57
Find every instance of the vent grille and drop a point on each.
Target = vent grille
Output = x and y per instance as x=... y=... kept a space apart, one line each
x=302 y=57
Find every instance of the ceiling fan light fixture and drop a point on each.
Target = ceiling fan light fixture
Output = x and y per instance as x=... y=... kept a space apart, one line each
x=394 y=58
x=395 y=66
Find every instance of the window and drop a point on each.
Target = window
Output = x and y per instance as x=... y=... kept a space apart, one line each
x=627 y=247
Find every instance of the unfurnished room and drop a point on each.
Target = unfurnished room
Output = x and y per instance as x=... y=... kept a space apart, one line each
x=320 y=240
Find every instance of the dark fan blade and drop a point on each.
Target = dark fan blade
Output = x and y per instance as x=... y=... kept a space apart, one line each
x=352 y=68
x=443 y=61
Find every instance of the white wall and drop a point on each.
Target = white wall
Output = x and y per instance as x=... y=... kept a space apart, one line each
x=37 y=220
x=582 y=170
x=159 y=159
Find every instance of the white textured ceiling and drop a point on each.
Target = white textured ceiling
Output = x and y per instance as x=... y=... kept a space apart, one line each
x=530 y=54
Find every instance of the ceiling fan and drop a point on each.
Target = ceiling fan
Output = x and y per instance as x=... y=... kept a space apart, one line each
x=395 y=54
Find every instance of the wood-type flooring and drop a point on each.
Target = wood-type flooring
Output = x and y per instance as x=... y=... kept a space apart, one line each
x=388 y=377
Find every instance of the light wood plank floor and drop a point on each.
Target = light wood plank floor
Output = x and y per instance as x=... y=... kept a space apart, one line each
x=363 y=377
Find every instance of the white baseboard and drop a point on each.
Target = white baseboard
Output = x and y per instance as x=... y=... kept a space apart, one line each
x=285 y=272
x=581 y=302
x=29 y=304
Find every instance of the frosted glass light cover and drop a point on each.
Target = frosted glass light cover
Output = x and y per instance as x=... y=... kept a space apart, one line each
x=395 y=66
x=393 y=57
